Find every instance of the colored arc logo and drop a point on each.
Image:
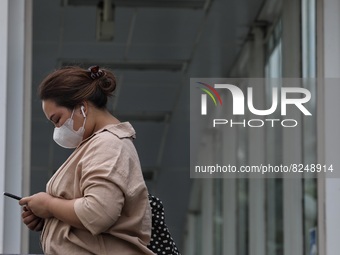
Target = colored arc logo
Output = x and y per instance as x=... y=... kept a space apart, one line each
x=211 y=92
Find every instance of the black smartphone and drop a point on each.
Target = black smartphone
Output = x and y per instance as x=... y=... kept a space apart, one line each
x=12 y=196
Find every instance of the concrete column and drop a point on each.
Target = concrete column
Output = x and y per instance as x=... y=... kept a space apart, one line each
x=292 y=137
x=3 y=100
x=256 y=143
x=328 y=36
x=15 y=100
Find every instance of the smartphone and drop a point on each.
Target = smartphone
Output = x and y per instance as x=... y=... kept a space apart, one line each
x=12 y=196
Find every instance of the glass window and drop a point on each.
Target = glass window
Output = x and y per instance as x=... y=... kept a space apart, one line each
x=273 y=52
x=274 y=216
x=198 y=234
x=274 y=64
x=274 y=187
x=308 y=28
x=242 y=194
x=218 y=217
x=217 y=196
x=242 y=216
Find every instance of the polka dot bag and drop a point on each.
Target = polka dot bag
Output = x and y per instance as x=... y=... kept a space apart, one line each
x=161 y=240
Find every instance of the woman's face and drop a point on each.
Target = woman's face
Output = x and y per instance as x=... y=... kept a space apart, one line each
x=59 y=114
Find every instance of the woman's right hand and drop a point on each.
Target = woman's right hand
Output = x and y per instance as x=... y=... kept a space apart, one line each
x=32 y=221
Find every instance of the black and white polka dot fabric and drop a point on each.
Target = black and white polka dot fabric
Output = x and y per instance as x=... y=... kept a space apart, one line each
x=161 y=240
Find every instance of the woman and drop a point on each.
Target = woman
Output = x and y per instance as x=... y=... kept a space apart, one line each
x=97 y=201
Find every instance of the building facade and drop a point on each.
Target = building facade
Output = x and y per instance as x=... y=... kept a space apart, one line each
x=286 y=39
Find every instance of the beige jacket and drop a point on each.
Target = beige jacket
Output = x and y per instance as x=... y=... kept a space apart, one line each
x=104 y=174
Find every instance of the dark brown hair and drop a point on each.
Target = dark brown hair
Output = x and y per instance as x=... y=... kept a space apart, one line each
x=72 y=85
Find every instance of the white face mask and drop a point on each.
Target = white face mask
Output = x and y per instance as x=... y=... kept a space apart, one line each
x=66 y=136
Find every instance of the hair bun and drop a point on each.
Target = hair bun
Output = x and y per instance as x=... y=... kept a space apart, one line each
x=104 y=80
x=107 y=83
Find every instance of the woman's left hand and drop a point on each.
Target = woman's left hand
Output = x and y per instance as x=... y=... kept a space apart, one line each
x=38 y=204
x=32 y=221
